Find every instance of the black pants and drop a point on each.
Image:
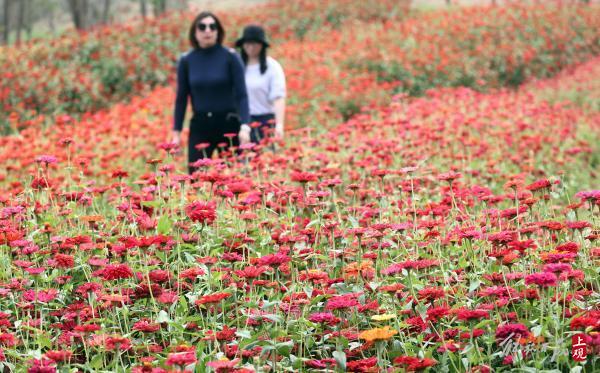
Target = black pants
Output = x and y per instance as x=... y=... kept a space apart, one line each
x=210 y=128
x=266 y=127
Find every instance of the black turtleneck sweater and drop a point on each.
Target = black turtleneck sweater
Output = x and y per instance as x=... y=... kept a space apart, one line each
x=214 y=79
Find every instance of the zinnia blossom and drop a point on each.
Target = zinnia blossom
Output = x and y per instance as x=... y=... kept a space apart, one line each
x=181 y=359
x=115 y=272
x=542 y=279
x=413 y=363
x=202 y=212
x=513 y=331
x=378 y=334
x=222 y=366
x=213 y=298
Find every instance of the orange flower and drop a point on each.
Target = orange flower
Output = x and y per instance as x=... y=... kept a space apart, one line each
x=377 y=334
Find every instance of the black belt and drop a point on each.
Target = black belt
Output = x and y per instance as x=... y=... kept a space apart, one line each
x=210 y=114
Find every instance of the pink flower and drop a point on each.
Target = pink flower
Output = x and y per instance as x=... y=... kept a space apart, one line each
x=303 y=177
x=181 y=359
x=542 y=279
x=42 y=296
x=274 y=259
x=324 y=317
x=47 y=159
x=145 y=326
x=342 y=301
x=222 y=366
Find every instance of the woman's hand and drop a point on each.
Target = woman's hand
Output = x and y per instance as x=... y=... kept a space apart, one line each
x=176 y=138
x=244 y=134
x=279 y=131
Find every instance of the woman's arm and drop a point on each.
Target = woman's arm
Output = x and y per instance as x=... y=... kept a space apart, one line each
x=239 y=88
x=181 y=98
x=241 y=97
x=279 y=106
x=277 y=94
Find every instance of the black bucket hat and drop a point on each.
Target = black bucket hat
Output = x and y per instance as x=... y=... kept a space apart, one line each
x=253 y=33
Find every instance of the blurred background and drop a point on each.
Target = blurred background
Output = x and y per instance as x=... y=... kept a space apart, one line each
x=22 y=20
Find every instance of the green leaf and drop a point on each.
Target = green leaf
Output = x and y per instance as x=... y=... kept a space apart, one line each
x=285 y=348
x=97 y=362
x=244 y=334
x=44 y=341
x=422 y=310
x=164 y=224
x=354 y=224
x=474 y=285
x=340 y=359
x=316 y=221
x=163 y=316
x=273 y=317
x=154 y=204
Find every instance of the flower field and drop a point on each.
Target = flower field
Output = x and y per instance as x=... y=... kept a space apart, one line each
x=450 y=232
x=483 y=47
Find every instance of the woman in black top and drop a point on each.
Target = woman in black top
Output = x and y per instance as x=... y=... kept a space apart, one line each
x=213 y=77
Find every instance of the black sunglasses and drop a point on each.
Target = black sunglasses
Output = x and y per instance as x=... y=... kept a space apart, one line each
x=203 y=26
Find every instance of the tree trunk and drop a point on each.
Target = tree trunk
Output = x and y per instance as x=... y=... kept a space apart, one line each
x=28 y=18
x=20 y=20
x=51 y=23
x=160 y=6
x=106 y=11
x=79 y=10
x=6 y=21
x=143 y=8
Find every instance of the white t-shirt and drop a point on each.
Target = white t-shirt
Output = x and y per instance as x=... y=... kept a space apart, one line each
x=265 y=88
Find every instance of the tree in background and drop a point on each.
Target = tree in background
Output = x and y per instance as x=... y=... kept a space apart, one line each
x=6 y=5
x=20 y=18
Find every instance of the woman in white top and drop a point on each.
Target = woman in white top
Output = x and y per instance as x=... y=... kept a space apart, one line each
x=265 y=83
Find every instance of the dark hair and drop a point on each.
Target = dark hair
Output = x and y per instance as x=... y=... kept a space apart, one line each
x=200 y=17
x=262 y=57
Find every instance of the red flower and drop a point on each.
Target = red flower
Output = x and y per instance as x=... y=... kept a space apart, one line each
x=59 y=356
x=512 y=331
x=181 y=359
x=303 y=177
x=223 y=366
x=324 y=317
x=539 y=184
x=227 y=334
x=117 y=343
x=342 y=301
x=464 y=314
x=542 y=279
x=40 y=183
x=362 y=365
x=145 y=326
x=42 y=296
x=414 y=364
x=250 y=272
x=274 y=259
x=239 y=187
x=64 y=261
x=449 y=176
x=115 y=272
x=213 y=298
x=203 y=212
x=431 y=293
